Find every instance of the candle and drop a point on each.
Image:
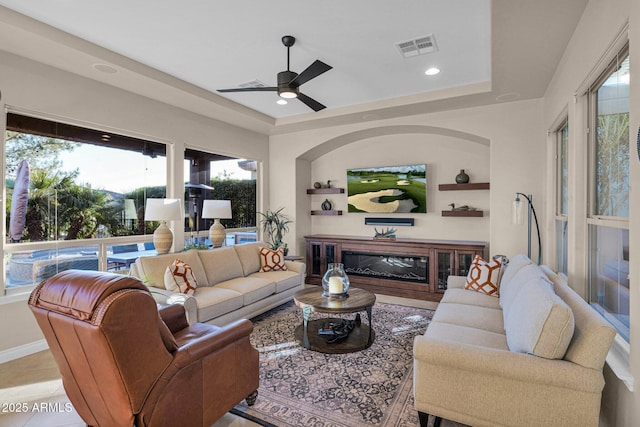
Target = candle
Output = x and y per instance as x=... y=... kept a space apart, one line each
x=335 y=285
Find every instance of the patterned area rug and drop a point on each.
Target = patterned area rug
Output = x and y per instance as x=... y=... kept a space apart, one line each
x=373 y=387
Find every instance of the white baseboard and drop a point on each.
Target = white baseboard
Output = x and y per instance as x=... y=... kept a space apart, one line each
x=23 y=350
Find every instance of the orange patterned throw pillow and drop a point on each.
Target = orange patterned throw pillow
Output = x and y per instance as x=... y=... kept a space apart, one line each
x=271 y=260
x=179 y=277
x=484 y=276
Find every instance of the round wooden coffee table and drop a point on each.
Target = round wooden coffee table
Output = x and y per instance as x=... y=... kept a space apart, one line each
x=311 y=300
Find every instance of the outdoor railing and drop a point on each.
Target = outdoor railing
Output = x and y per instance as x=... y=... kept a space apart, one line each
x=26 y=264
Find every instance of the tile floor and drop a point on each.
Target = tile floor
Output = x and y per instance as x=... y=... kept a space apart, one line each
x=31 y=395
x=31 y=392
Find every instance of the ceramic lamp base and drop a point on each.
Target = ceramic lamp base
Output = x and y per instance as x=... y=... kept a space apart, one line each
x=217 y=234
x=163 y=238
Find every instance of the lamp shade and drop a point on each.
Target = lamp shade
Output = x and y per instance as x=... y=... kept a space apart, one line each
x=516 y=212
x=516 y=218
x=163 y=210
x=220 y=209
x=130 y=209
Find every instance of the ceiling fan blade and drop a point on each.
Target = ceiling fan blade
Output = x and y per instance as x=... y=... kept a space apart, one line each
x=250 y=89
x=311 y=72
x=310 y=102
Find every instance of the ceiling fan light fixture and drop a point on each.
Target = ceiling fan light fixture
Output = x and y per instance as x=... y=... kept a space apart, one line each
x=285 y=89
x=288 y=93
x=289 y=82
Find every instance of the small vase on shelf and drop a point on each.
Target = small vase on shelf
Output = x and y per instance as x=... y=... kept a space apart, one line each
x=326 y=205
x=462 y=177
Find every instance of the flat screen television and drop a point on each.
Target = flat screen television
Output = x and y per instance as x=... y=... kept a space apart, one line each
x=388 y=189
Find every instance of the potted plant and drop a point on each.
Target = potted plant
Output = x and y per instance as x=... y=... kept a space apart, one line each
x=275 y=225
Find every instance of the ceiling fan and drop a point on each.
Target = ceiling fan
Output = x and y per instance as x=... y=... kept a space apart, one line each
x=289 y=82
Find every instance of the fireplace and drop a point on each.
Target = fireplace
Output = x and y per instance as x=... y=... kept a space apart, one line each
x=409 y=268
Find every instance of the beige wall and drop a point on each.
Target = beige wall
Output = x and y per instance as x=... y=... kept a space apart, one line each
x=595 y=34
x=31 y=86
x=444 y=157
x=18 y=327
x=48 y=92
x=502 y=144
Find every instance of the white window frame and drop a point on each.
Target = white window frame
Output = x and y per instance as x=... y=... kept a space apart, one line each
x=618 y=358
x=559 y=127
x=203 y=233
x=22 y=292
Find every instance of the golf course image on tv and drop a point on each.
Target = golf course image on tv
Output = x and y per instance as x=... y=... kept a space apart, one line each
x=389 y=189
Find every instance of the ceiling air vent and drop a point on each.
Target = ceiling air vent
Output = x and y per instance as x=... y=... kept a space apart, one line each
x=252 y=83
x=417 y=46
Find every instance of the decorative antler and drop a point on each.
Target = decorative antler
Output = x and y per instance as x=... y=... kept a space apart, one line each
x=388 y=233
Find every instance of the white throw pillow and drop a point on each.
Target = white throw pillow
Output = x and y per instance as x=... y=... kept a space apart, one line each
x=484 y=276
x=540 y=322
x=179 y=277
x=272 y=260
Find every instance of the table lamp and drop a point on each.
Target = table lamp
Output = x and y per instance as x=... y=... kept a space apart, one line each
x=163 y=210
x=217 y=209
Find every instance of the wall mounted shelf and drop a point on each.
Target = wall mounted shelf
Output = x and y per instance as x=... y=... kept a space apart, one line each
x=331 y=190
x=463 y=213
x=325 y=190
x=331 y=212
x=471 y=186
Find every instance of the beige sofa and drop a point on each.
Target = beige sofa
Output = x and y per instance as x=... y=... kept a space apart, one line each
x=230 y=285
x=532 y=357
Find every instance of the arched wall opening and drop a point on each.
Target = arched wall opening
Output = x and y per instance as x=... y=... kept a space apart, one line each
x=444 y=152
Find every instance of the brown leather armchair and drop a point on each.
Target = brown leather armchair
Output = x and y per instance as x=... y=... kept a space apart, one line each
x=122 y=364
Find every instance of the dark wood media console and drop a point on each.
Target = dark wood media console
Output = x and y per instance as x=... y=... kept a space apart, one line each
x=412 y=268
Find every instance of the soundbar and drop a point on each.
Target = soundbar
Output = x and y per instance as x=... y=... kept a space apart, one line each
x=389 y=221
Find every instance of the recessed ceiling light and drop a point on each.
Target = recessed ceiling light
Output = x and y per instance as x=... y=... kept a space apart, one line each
x=105 y=68
x=506 y=97
x=281 y=102
x=432 y=71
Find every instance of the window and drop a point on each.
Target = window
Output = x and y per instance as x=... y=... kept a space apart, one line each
x=608 y=262
x=217 y=177
x=68 y=185
x=562 y=191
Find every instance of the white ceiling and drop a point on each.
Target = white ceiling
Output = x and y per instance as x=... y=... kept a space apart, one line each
x=485 y=48
x=221 y=44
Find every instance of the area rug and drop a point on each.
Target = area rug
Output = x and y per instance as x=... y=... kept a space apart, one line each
x=300 y=387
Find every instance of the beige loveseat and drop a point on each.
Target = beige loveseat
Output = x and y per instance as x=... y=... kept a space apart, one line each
x=532 y=357
x=230 y=285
